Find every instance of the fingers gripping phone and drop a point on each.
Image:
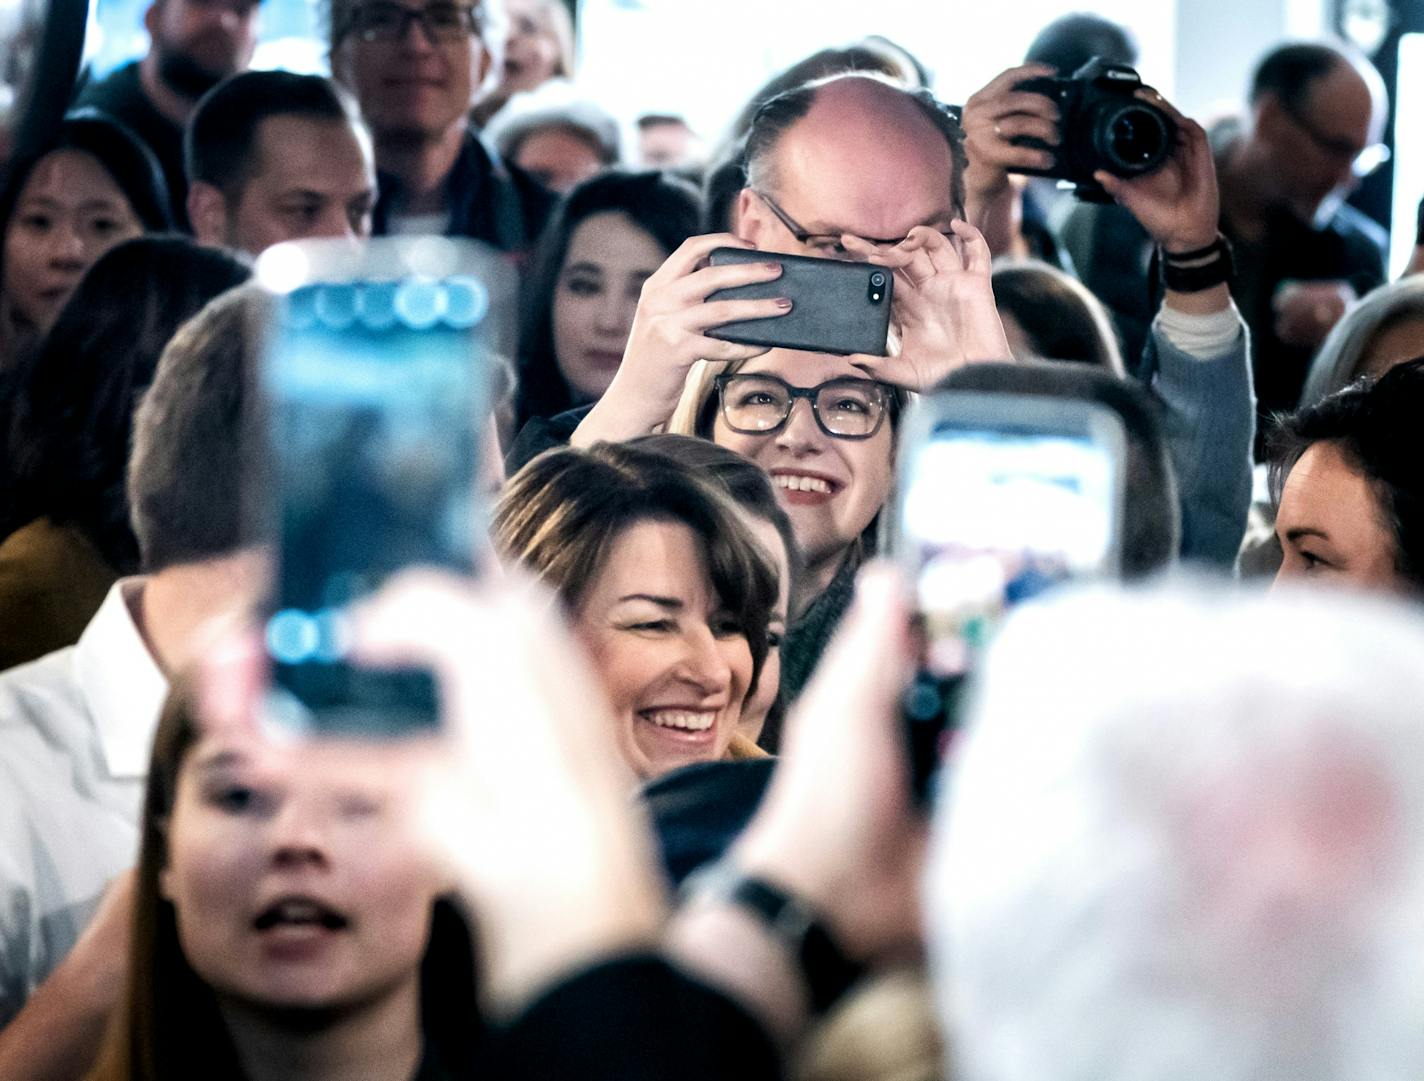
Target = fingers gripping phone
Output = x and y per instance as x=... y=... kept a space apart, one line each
x=1000 y=497
x=836 y=306
x=375 y=392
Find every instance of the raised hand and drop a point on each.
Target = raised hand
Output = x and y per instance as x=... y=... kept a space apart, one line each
x=1178 y=204
x=838 y=826
x=669 y=335
x=943 y=305
x=994 y=117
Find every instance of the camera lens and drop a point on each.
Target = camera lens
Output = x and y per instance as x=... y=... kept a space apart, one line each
x=1134 y=139
x=877 y=280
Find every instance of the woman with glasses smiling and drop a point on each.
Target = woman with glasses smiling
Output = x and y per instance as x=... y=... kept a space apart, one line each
x=827 y=441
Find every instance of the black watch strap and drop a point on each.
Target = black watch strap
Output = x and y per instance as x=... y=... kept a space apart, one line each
x=826 y=970
x=1208 y=267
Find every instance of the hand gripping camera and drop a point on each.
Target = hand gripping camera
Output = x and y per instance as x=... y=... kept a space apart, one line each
x=1103 y=125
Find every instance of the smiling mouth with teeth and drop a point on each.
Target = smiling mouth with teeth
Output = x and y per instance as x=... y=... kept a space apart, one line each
x=686 y=719
x=299 y=913
x=797 y=483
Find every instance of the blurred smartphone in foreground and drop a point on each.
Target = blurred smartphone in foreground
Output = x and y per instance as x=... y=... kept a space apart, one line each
x=1000 y=497
x=375 y=387
x=836 y=306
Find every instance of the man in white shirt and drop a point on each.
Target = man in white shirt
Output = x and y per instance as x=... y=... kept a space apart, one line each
x=75 y=726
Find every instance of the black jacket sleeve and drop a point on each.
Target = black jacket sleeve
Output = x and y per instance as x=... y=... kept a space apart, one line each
x=635 y=1018
x=541 y=434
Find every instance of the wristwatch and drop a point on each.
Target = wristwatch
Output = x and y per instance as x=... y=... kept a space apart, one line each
x=827 y=972
x=1204 y=268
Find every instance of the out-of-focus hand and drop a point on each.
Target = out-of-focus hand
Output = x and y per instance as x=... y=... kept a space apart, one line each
x=522 y=797
x=1306 y=310
x=995 y=116
x=838 y=826
x=1179 y=203
x=58 y=1034
x=1416 y=262
x=669 y=335
x=102 y=951
x=943 y=305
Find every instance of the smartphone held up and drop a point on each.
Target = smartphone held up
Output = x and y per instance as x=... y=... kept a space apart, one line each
x=375 y=390
x=1000 y=497
x=836 y=306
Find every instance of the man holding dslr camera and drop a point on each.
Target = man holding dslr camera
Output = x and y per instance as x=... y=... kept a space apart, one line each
x=1122 y=141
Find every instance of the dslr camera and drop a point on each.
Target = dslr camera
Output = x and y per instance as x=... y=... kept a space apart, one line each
x=1104 y=125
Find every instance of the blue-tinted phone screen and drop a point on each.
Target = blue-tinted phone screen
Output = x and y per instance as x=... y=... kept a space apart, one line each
x=997 y=516
x=375 y=394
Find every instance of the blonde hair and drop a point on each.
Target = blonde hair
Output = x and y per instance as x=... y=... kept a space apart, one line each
x=696 y=392
x=885 y=1030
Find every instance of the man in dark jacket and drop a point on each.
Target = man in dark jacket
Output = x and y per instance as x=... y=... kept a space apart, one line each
x=415 y=68
x=194 y=45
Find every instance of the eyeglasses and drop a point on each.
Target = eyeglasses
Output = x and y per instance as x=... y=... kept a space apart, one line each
x=391 y=22
x=826 y=245
x=845 y=408
x=1363 y=160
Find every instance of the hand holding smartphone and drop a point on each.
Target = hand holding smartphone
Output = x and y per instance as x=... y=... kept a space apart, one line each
x=836 y=306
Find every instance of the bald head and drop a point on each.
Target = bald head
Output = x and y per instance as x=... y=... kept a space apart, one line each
x=1315 y=107
x=854 y=154
x=1289 y=72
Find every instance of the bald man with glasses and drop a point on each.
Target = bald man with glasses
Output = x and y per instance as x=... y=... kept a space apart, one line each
x=1302 y=256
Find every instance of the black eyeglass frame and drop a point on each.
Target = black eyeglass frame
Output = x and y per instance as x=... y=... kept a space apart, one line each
x=801 y=236
x=1375 y=154
x=884 y=391
x=473 y=19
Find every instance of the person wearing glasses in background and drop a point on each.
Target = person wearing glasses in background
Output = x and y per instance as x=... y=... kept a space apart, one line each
x=1317 y=113
x=415 y=68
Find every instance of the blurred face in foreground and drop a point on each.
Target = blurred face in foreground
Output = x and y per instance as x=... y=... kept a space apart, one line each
x=293 y=885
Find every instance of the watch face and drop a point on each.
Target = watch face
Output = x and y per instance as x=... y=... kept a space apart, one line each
x=1366 y=23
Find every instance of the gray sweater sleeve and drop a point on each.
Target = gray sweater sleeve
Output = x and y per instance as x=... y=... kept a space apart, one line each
x=1210 y=421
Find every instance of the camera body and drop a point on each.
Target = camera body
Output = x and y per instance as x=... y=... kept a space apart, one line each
x=1104 y=125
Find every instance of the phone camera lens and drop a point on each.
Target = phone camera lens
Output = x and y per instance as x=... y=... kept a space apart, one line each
x=877 y=280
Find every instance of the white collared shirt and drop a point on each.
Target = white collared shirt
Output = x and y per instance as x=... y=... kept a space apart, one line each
x=75 y=732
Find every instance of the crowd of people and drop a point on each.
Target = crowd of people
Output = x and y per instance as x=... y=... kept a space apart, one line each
x=667 y=827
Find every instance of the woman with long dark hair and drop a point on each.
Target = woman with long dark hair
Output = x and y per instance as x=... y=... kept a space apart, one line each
x=606 y=237
x=92 y=185
x=64 y=518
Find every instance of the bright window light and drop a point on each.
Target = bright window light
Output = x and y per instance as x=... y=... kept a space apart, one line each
x=702 y=61
x=1408 y=158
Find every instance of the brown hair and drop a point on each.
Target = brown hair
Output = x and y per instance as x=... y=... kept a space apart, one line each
x=561 y=514
x=193 y=435
x=746 y=482
x=167 y=1026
